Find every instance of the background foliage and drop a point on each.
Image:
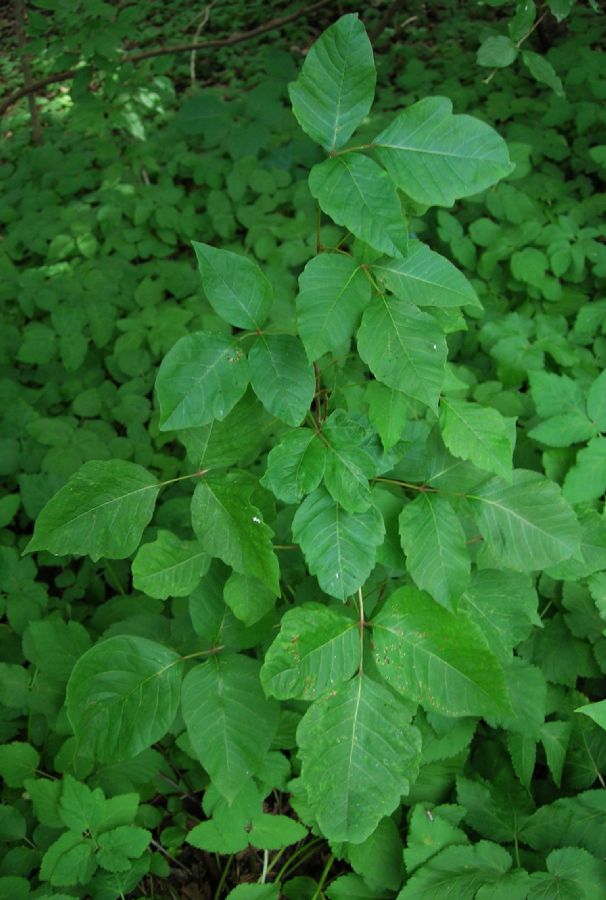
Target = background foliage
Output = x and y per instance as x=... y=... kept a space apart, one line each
x=99 y=282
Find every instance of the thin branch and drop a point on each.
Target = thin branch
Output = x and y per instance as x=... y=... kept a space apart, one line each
x=236 y=38
x=198 y=32
x=26 y=70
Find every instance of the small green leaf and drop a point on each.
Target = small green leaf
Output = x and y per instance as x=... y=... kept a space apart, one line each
x=317 y=648
x=68 y=861
x=436 y=157
x=236 y=287
x=295 y=466
x=543 y=72
x=436 y=658
x=231 y=528
x=18 y=761
x=571 y=873
x=336 y=85
x=426 y=279
x=82 y=518
x=388 y=411
x=586 y=479
x=80 y=808
x=595 y=711
x=123 y=695
x=200 y=379
x=404 y=348
x=462 y=869
x=282 y=377
x=340 y=548
x=169 y=567
x=117 y=848
x=229 y=721
x=333 y=291
x=248 y=598
x=271 y=832
x=359 y=756
x=596 y=402
x=436 y=553
x=348 y=466
x=497 y=52
x=480 y=434
x=358 y=194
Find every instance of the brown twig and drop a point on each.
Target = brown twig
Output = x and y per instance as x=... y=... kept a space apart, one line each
x=236 y=38
x=26 y=70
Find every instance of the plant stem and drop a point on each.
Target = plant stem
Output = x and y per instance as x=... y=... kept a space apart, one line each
x=422 y=488
x=323 y=877
x=361 y=624
x=117 y=583
x=224 y=875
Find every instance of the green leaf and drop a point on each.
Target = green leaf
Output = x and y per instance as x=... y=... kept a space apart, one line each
x=54 y=646
x=82 y=518
x=231 y=528
x=358 y=755
x=229 y=721
x=248 y=598
x=317 y=648
x=295 y=466
x=70 y=860
x=563 y=430
x=596 y=402
x=504 y=606
x=333 y=291
x=339 y=547
x=235 y=286
x=572 y=874
x=578 y=821
x=527 y=525
x=555 y=738
x=436 y=157
x=480 y=434
x=347 y=465
x=496 y=810
x=200 y=379
x=336 y=85
x=586 y=480
x=543 y=72
x=388 y=411
x=122 y=696
x=436 y=658
x=436 y=553
x=117 y=848
x=271 y=832
x=13 y=826
x=169 y=567
x=595 y=711
x=358 y=194
x=379 y=857
x=425 y=278
x=429 y=832
x=459 y=870
x=18 y=761
x=255 y=892
x=352 y=887
x=281 y=376
x=497 y=52
x=45 y=795
x=404 y=348
x=80 y=808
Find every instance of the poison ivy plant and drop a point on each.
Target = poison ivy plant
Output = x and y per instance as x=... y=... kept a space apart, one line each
x=337 y=588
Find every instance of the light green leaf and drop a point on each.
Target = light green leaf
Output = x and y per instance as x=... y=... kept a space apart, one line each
x=436 y=658
x=347 y=465
x=436 y=157
x=425 y=278
x=555 y=737
x=200 y=379
x=54 y=646
x=295 y=466
x=497 y=52
x=101 y=511
x=122 y=696
x=404 y=348
x=555 y=395
x=117 y=848
x=340 y=548
x=281 y=376
x=586 y=480
x=255 y=892
x=379 y=857
x=68 y=861
x=333 y=291
x=459 y=870
x=209 y=836
x=595 y=711
x=495 y=810
x=596 y=402
x=359 y=755
x=429 y=832
x=572 y=874
x=80 y=808
x=578 y=821
x=336 y=85
x=236 y=287
x=231 y=528
x=543 y=72
x=358 y=194
x=18 y=761
x=480 y=434
x=504 y=606
x=229 y=721
x=436 y=553
x=248 y=598
x=169 y=567
x=527 y=525
x=317 y=648
x=563 y=430
x=271 y=832
x=388 y=411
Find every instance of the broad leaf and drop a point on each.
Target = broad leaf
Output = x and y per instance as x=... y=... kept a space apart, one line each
x=586 y=480
x=295 y=466
x=333 y=291
x=497 y=52
x=101 y=511
x=436 y=553
x=479 y=434
x=595 y=711
x=388 y=411
x=404 y=348
x=425 y=278
x=458 y=872
x=169 y=567
x=571 y=873
x=436 y=658
x=504 y=606
x=358 y=194
x=236 y=287
x=200 y=379
x=231 y=528
x=437 y=157
x=248 y=598
x=317 y=648
x=527 y=525
x=340 y=548
x=122 y=696
x=336 y=85
x=18 y=761
x=229 y=721
x=359 y=756
x=281 y=376
x=69 y=861
x=347 y=465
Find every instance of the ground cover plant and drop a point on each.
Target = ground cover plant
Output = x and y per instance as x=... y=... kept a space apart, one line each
x=303 y=550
